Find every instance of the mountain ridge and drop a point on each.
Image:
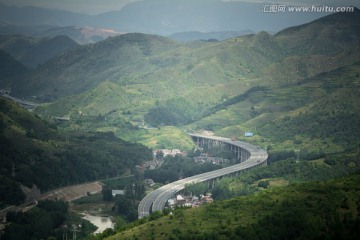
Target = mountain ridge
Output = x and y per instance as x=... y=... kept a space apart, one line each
x=336 y=31
x=206 y=36
x=32 y=51
x=40 y=16
x=254 y=54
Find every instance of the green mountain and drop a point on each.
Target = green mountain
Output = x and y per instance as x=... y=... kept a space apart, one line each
x=320 y=46
x=35 y=153
x=9 y=67
x=332 y=115
x=318 y=114
x=229 y=87
x=145 y=63
x=329 y=35
x=117 y=59
x=32 y=51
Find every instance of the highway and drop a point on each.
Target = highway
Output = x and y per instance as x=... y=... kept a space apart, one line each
x=156 y=200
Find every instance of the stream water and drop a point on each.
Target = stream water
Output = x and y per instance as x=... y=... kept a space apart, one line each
x=101 y=222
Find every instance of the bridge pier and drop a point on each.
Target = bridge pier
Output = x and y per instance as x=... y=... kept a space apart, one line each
x=207 y=143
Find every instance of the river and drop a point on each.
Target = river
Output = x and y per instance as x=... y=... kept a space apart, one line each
x=101 y=222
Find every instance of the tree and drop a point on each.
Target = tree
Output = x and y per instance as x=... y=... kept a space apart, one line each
x=107 y=193
x=196 y=189
x=120 y=223
x=264 y=184
x=220 y=192
x=122 y=204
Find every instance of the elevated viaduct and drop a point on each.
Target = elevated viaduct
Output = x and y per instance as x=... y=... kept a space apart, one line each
x=248 y=155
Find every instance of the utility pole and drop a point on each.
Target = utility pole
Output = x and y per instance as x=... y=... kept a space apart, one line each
x=74 y=233
x=297 y=151
x=13 y=170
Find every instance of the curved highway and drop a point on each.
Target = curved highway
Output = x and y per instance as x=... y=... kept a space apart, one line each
x=156 y=200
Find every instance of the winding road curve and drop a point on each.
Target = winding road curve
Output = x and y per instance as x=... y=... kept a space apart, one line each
x=156 y=200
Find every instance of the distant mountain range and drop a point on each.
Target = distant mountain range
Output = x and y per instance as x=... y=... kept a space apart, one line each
x=220 y=36
x=31 y=16
x=82 y=35
x=163 y=17
x=303 y=51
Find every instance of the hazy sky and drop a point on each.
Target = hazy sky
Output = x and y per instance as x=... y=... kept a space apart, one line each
x=101 y=6
x=81 y=6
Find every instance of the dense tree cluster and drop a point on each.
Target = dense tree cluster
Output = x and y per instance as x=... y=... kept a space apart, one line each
x=34 y=154
x=196 y=189
x=89 y=157
x=334 y=118
x=125 y=204
x=174 y=112
x=178 y=167
x=38 y=223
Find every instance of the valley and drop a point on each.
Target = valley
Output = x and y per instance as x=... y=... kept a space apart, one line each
x=100 y=105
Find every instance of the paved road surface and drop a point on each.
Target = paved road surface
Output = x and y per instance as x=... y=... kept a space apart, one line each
x=157 y=199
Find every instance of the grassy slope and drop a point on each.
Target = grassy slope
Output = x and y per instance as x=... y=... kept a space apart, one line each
x=118 y=59
x=306 y=211
x=258 y=108
x=324 y=108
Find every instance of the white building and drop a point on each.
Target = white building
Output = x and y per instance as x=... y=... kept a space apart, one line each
x=117 y=192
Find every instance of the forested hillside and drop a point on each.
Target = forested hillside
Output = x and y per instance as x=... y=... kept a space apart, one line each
x=317 y=114
x=317 y=210
x=34 y=153
x=9 y=67
x=31 y=51
x=333 y=117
